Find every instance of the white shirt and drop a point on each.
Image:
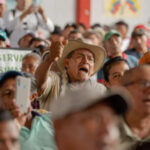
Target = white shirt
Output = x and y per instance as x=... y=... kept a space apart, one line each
x=30 y=23
x=2 y=24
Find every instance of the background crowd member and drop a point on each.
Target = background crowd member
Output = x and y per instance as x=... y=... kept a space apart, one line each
x=9 y=133
x=122 y=28
x=2 y=12
x=40 y=44
x=30 y=62
x=135 y=125
x=95 y=36
x=32 y=124
x=24 y=18
x=112 y=44
x=113 y=71
x=56 y=35
x=77 y=62
x=75 y=35
x=24 y=41
x=139 y=43
x=93 y=120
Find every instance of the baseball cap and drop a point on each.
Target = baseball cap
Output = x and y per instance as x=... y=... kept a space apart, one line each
x=109 y=34
x=9 y=74
x=3 y=35
x=138 y=32
x=75 y=101
x=141 y=26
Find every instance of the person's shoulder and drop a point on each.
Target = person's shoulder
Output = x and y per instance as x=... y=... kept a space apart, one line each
x=130 y=51
x=97 y=85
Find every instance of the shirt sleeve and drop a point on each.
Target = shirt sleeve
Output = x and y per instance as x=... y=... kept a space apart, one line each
x=48 y=25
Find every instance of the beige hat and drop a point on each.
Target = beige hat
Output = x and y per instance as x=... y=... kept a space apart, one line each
x=99 y=53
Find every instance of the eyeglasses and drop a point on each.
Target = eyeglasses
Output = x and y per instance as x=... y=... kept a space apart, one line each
x=142 y=83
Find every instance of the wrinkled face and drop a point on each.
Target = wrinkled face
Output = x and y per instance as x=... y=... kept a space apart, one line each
x=23 y=4
x=139 y=42
x=115 y=74
x=139 y=88
x=7 y=93
x=2 y=9
x=80 y=66
x=9 y=136
x=92 y=129
x=113 y=45
x=29 y=64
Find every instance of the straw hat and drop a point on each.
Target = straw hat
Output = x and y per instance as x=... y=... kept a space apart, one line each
x=99 y=53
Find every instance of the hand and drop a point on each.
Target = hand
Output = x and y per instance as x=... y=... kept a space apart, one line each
x=41 y=10
x=20 y=117
x=31 y=9
x=56 y=49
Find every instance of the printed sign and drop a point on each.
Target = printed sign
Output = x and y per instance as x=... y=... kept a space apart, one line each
x=11 y=59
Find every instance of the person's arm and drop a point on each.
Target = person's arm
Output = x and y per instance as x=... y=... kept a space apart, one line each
x=43 y=21
x=43 y=69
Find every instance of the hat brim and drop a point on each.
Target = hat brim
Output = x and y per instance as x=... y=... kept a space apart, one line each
x=99 y=53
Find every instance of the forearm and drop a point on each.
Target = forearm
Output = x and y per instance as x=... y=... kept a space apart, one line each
x=42 y=72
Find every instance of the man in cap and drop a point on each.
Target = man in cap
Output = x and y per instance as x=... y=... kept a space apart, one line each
x=77 y=62
x=3 y=38
x=135 y=125
x=85 y=121
x=139 y=41
x=112 y=44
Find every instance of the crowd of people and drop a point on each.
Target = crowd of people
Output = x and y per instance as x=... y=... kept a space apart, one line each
x=90 y=87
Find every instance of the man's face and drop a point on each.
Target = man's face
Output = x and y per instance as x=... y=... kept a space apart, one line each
x=113 y=45
x=9 y=136
x=29 y=65
x=7 y=93
x=140 y=42
x=140 y=90
x=115 y=74
x=80 y=66
x=91 y=129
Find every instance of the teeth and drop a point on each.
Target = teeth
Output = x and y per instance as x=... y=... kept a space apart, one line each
x=84 y=69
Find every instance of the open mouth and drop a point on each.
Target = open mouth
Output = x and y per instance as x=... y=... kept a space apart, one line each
x=83 y=69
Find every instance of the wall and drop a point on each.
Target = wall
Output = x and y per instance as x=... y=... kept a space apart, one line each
x=60 y=11
x=64 y=11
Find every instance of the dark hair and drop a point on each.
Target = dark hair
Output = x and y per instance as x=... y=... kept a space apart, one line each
x=71 y=25
x=5 y=116
x=107 y=66
x=96 y=25
x=121 y=22
x=82 y=25
x=37 y=39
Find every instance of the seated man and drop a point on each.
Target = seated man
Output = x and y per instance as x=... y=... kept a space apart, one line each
x=113 y=71
x=135 y=125
x=9 y=133
x=77 y=62
x=84 y=121
x=32 y=124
